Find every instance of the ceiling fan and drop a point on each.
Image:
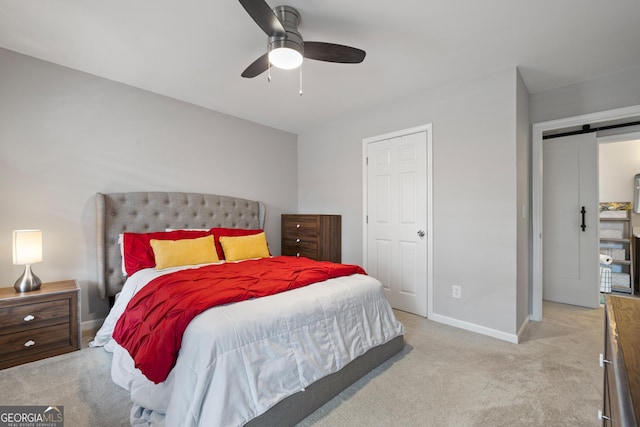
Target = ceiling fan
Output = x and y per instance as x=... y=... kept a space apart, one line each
x=286 y=48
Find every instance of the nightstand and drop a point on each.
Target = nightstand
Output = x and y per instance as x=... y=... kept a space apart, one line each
x=39 y=324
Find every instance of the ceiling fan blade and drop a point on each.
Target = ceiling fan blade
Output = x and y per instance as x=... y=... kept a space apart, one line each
x=260 y=11
x=257 y=67
x=333 y=52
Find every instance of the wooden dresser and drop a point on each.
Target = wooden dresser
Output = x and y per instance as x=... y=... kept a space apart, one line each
x=317 y=237
x=38 y=324
x=621 y=362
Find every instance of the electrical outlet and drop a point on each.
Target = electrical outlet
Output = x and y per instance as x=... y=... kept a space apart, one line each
x=456 y=291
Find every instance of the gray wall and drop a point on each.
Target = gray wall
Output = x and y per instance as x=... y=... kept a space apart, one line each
x=618 y=163
x=65 y=135
x=523 y=206
x=476 y=190
x=607 y=93
x=611 y=92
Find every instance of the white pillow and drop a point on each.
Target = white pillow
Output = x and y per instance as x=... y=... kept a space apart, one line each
x=121 y=243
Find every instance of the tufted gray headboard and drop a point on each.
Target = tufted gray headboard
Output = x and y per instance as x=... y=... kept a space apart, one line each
x=143 y=212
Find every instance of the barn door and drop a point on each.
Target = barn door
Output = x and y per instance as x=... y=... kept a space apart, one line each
x=570 y=220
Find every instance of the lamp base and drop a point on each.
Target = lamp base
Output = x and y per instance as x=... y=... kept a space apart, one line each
x=28 y=281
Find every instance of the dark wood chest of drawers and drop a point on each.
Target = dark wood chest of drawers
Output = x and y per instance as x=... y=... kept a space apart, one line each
x=621 y=362
x=317 y=237
x=38 y=324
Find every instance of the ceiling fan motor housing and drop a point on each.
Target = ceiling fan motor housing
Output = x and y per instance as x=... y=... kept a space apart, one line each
x=290 y=19
x=286 y=49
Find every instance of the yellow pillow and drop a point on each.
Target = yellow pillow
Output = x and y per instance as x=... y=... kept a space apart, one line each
x=244 y=247
x=175 y=253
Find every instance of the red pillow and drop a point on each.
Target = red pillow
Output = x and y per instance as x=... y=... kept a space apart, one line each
x=217 y=232
x=138 y=253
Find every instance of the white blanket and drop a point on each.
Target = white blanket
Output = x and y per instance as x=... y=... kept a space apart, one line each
x=238 y=360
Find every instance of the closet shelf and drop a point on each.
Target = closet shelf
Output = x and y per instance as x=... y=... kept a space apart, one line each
x=616 y=241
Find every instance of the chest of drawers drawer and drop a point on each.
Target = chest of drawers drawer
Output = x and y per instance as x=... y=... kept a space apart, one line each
x=620 y=363
x=38 y=324
x=298 y=247
x=297 y=225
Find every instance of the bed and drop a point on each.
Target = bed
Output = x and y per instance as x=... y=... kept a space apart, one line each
x=251 y=384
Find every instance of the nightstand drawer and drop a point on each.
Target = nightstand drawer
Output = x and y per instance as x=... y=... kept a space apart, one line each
x=24 y=343
x=36 y=315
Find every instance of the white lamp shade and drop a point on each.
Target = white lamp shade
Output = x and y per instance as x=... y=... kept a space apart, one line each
x=27 y=247
x=285 y=58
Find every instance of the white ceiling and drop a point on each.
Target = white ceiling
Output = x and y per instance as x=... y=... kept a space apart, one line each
x=195 y=50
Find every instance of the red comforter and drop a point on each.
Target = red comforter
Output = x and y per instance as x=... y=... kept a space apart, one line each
x=151 y=327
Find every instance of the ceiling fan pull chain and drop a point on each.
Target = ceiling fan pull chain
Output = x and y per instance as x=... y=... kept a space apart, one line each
x=269 y=63
x=300 y=80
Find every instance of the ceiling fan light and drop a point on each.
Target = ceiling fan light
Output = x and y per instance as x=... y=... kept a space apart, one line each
x=285 y=58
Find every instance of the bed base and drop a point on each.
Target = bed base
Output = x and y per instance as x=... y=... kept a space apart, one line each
x=299 y=406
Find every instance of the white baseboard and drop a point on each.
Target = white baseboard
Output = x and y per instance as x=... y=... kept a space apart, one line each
x=523 y=328
x=512 y=338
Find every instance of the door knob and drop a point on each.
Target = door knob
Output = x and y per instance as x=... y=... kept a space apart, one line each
x=421 y=233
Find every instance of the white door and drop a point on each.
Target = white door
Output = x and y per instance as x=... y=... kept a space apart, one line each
x=570 y=251
x=397 y=219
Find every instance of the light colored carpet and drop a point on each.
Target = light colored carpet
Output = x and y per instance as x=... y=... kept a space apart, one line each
x=79 y=381
x=443 y=377
x=450 y=377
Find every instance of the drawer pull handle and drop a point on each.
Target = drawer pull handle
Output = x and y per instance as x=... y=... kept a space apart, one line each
x=29 y=343
x=603 y=360
x=297 y=240
x=601 y=416
x=297 y=225
x=29 y=317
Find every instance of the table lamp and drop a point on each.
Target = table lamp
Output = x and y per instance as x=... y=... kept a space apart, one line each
x=27 y=250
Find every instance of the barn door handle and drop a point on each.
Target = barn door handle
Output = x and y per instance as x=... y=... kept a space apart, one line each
x=583 y=211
